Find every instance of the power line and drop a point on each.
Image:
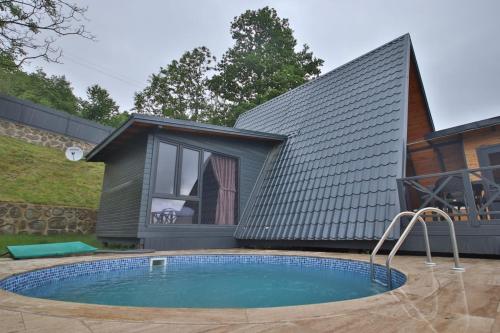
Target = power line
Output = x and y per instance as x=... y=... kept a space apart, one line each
x=103 y=71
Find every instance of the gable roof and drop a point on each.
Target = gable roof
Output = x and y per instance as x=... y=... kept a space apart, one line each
x=335 y=176
x=142 y=121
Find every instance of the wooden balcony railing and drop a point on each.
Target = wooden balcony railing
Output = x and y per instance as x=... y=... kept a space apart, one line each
x=469 y=195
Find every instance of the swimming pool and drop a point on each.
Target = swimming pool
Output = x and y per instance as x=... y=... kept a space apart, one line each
x=204 y=281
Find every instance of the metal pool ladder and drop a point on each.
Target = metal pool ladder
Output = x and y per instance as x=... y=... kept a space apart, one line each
x=416 y=217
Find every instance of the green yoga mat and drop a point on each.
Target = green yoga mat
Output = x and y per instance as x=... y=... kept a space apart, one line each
x=49 y=250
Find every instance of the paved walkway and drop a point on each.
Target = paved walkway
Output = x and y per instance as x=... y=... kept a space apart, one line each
x=435 y=299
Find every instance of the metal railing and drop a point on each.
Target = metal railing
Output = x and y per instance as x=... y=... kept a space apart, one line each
x=468 y=195
x=416 y=217
x=386 y=235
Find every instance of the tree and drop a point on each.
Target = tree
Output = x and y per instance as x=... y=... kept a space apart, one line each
x=54 y=91
x=30 y=28
x=262 y=64
x=180 y=89
x=100 y=107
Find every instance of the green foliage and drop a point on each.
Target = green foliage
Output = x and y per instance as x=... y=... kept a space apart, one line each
x=180 y=89
x=41 y=175
x=263 y=63
x=100 y=107
x=118 y=119
x=54 y=91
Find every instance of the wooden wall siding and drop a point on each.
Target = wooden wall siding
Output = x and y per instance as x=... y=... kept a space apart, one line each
x=422 y=157
x=419 y=123
x=477 y=139
x=424 y=161
x=119 y=209
x=452 y=154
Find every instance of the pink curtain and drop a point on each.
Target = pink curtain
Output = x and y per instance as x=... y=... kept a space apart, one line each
x=225 y=173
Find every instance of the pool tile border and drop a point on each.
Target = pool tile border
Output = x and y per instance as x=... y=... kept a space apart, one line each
x=32 y=279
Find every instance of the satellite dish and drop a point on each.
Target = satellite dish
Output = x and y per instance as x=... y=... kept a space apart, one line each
x=74 y=154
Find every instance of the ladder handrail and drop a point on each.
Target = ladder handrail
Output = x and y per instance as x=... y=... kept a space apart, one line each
x=407 y=231
x=388 y=231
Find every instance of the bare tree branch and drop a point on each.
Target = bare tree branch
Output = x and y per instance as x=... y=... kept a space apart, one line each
x=29 y=28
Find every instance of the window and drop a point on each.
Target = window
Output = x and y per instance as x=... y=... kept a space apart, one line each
x=189 y=172
x=165 y=170
x=488 y=157
x=495 y=160
x=167 y=211
x=194 y=187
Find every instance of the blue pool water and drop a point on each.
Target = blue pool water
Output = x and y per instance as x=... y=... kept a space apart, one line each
x=203 y=283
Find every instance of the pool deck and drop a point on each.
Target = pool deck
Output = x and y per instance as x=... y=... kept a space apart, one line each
x=434 y=299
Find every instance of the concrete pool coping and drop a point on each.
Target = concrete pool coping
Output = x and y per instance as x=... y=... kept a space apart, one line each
x=433 y=299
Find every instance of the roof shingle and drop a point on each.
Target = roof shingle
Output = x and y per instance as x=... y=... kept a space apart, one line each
x=335 y=176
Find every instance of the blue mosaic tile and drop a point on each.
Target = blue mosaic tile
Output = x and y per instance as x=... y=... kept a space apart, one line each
x=32 y=279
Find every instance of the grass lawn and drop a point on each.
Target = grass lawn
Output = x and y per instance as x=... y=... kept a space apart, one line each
x=38 y=239
x=41 y=175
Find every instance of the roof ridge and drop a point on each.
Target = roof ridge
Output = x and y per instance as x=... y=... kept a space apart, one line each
x=327 y=74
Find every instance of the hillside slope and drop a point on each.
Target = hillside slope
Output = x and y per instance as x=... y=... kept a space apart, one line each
x=40 y=175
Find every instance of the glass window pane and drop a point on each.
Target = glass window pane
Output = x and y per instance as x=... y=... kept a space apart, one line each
x=220 y=190
x=189 y=173
x=495 y=160
x=167 y=211
x=206 y=156
x=165 y=172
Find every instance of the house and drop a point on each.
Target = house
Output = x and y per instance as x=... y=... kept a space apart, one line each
x=458 y=170
x=177 y=184
x=325 y=165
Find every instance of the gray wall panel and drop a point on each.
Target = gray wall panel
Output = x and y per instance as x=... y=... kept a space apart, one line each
x=34 y=115
x=120 y=204
x=148 y=167
x=470 y=240
x=186 y=243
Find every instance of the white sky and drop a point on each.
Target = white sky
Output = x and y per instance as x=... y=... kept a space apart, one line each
x=456 y=43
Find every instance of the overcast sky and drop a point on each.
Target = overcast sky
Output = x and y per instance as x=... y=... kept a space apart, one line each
x=457 y=43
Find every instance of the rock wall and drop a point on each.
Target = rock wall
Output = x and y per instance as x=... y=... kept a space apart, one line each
x=23 y=218
x=41 y=137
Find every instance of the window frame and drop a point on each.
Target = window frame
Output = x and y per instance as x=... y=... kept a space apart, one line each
x=177 y=179
x=483 y=158
x=157 y=155
x=483 y=153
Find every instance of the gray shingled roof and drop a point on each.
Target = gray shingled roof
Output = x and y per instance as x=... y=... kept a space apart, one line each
x=335 y=176
x=181 y=125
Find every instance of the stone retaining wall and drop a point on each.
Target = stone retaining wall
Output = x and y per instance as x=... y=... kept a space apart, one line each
x=24 y=218
x=41 y=137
